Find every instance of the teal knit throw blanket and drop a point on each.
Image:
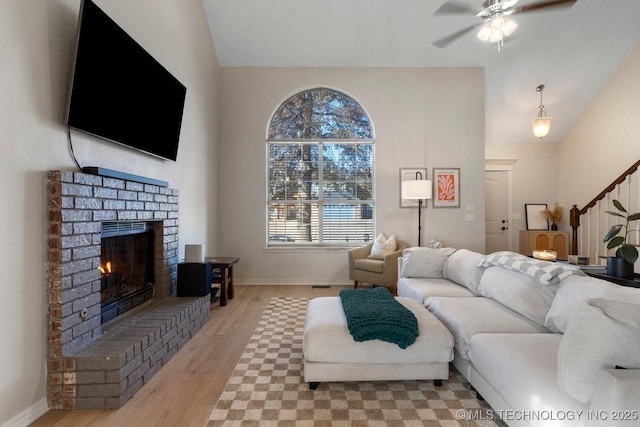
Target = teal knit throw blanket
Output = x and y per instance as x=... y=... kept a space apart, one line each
x=375 y=314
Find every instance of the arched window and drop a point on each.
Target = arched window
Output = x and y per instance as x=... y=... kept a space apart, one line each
x=320 y=171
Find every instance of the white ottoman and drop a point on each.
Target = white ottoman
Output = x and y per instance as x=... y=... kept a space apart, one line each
x=331 y=354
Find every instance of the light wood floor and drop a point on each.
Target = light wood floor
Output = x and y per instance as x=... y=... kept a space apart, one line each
x=184 y=392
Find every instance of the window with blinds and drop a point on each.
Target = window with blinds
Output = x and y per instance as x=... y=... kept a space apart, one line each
x=320 y=172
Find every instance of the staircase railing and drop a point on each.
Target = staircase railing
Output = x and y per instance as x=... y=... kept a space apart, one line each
x=588 y=241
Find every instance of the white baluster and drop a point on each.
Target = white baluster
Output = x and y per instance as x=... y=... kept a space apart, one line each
x=581 y=241
x=589 y=231
x=628 y=204
x=617 y=198
x=606 y=217
x=638 y=204
x=598 y=209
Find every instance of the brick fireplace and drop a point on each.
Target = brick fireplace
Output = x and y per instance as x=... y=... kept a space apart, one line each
x=91 y=365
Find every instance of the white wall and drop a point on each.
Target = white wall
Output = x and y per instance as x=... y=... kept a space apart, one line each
x=422 y=117
x=36 y=45
x=602 y=144
x=605 y=140
x=535 y=178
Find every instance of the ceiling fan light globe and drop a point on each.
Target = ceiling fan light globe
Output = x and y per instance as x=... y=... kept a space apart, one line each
x=509 y=27
x=485 y=32
x=497 y=23
x=541 y=126
x=496 y=36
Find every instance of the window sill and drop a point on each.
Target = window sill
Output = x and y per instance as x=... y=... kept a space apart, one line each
x=307 y=249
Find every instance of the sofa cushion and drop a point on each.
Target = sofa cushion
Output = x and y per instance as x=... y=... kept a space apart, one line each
x=602 y=334
x=574 y=290
x=383 y=246
x=545 y=272
x=462 y=267
x=521 y=368
x=424 y=262
x=467 y=316
x=520 y=292
x=368 y=264
x=421 y=289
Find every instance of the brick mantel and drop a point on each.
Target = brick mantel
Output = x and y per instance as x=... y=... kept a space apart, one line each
x=78 y=203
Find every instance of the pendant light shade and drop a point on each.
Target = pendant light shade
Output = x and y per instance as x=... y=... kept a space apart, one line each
x=541 y=126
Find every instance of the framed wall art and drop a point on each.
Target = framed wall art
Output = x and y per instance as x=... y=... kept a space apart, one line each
x=446 y=187
x=535 y=221
x=409 y=174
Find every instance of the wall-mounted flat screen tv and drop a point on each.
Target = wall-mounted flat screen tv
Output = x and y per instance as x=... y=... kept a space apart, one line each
x=119 y=92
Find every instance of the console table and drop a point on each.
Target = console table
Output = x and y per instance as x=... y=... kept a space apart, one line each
x=633 y=283
x=225 y=264
x=531 y=240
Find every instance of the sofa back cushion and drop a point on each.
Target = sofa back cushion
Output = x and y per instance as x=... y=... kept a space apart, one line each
x=518 y=291
x=462 y=267
x=574 y=290
x=602 y=334
x=545 y=272
x=424 y=262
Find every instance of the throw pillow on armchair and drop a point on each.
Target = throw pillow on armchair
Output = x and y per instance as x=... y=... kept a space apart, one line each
x=383 y=246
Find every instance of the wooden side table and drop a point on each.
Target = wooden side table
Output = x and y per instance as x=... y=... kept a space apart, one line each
x=225 y=264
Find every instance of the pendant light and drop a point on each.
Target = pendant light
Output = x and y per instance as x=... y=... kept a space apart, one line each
x=542 y=123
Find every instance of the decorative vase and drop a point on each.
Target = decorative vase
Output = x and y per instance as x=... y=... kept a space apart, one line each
x=554 y=226
x=618 y=267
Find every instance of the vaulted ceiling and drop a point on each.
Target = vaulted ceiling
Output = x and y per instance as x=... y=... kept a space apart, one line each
x=573 y=51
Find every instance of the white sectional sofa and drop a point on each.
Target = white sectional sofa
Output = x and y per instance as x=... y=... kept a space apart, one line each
x=538 y=341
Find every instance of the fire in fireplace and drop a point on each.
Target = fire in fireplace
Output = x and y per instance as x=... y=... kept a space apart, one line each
x=126 y=266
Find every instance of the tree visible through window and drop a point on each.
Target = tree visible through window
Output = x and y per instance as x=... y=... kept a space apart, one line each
x=320 y=171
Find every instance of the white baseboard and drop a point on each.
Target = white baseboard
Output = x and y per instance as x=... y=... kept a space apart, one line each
x=29 y=415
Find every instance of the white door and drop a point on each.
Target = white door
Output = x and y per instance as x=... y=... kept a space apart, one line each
x=497 y=220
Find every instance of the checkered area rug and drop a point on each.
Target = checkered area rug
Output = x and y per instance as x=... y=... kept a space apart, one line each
x=267 y=388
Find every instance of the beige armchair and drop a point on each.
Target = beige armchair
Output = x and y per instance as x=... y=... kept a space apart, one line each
x=375 y=271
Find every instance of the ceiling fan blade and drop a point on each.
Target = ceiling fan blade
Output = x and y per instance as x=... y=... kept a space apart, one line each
x=445 y=41
x=454 y=8
x=543 y=5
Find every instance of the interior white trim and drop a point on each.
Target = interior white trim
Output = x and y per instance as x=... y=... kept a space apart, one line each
x=29 y=415
x=499 y=164
x=505 y=165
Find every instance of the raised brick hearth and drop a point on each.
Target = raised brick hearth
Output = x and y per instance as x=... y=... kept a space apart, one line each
x=92 y=365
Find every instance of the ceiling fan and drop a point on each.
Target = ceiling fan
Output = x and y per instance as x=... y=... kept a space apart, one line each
x=495 y=24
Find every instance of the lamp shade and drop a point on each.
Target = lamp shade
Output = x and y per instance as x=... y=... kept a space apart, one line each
x=193 y=253
x=541 y=126
x=416 y=189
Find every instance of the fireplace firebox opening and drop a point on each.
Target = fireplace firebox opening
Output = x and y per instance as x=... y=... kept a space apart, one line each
x=126 y=266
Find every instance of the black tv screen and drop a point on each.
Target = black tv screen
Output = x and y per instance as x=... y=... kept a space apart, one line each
x=119 y=92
